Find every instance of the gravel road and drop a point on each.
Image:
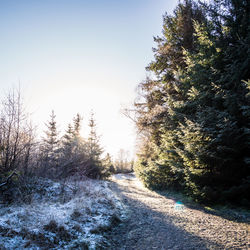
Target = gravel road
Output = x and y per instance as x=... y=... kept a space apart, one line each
x=157 y=222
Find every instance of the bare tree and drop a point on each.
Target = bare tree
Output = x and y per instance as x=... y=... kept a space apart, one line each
x=16 y=135
x=15 y=132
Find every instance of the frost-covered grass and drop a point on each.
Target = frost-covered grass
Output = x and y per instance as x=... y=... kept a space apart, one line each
x=69 y=215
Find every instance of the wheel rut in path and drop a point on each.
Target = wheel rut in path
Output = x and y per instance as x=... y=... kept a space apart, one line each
x=156 y=222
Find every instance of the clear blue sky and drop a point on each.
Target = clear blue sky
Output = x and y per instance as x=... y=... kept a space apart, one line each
x=77 y=55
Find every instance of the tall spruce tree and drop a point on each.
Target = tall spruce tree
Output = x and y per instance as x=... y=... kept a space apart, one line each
x=77 y=124
x=67 y=141
x=79 y=147
x=50 y=148
x=73 y=149
x=94 y=150
x=72 y=140
x=161 y=95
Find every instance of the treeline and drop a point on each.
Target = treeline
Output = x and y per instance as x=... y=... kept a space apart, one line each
x=193 y=111
x=71 y=154
x=123 y=163
x=54 y=156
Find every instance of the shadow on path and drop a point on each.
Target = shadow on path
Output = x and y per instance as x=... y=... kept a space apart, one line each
x=240 y=215
x=147 y=228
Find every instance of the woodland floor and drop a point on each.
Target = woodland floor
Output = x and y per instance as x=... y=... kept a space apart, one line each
x=154 y=222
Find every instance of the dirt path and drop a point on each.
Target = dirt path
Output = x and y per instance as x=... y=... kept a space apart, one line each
x=154 y=222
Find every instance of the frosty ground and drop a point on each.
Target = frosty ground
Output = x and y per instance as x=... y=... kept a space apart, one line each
x=116 y=214
x=67 y=215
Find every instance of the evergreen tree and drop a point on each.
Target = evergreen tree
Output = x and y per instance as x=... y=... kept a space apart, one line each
x=79 y=147
x=67 y=141
x=73 y=149
x=72 y=140
x=94 y=148
x=51 y=139
x=77 y=124
x=94 y=151
x=161 y=95
x=50 y=147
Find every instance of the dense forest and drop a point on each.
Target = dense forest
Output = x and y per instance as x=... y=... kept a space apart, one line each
x=192 y=111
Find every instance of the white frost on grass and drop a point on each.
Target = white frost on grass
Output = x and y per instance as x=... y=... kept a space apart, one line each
x=67 y=215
